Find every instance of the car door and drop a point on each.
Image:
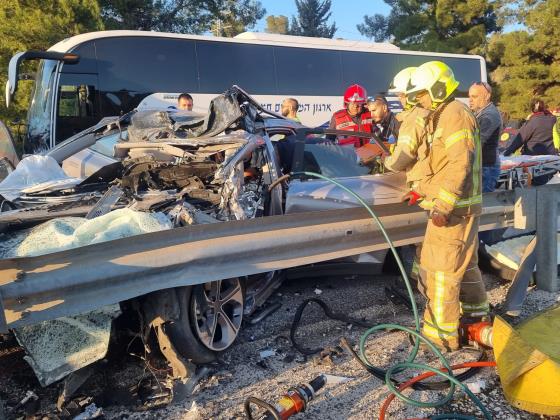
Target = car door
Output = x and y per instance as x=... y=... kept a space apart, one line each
x=318 y=153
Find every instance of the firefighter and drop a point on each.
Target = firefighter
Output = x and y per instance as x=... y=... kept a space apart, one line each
x=448 y=179
x=354 y=117
x=412 y=133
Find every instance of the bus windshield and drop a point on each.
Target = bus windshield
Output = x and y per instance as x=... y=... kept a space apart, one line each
x=39 y=116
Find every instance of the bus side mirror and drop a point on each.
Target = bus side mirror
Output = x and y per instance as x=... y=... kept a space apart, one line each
x=15 y=61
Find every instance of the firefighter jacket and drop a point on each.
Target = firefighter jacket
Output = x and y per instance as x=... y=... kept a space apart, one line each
x=341 y=120
x=411 y=143
x=449 y=175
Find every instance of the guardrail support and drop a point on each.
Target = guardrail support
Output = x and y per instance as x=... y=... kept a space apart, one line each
x=547 y=243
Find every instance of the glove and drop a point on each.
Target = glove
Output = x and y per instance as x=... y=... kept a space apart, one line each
x=439 y=219
x=412 y=197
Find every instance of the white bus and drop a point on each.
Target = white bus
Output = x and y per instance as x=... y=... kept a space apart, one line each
x=86 y=77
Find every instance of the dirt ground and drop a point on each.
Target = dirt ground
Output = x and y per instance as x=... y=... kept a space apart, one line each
x=241 y=372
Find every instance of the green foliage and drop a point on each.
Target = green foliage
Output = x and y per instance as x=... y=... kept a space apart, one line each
x=457 y=26
x=38 y=24
x=235 y=16
x=222 y=17
x=312 y=19
x=527 y=62
x=277 y=24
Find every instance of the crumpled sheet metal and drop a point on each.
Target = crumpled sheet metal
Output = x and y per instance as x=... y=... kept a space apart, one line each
x=233 y=157
x=223 y=112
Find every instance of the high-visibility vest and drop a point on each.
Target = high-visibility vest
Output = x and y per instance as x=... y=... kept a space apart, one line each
x=343 y=121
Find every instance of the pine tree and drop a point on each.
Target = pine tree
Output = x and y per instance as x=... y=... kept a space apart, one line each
x=458 y=26
x=312 y=19
x=528 y=61
x=222 y=17
x=38 y=24
x=235 y=16
x=276 y=24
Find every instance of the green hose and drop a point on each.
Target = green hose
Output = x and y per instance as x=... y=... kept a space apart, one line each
x=409 y=363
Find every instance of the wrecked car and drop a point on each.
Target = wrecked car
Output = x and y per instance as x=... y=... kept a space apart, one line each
x=171 y=169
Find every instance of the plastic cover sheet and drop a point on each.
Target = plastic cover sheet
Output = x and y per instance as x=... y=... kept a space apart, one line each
x=32 y=171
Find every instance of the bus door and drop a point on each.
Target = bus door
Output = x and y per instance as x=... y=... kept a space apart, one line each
x=78 y=104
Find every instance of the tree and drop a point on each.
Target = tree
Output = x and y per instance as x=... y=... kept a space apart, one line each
x=234 y=16
x=222 y=17
x=527 y=62
x=458 y=26
x=277 y=24
x=312 y=19
x=38 y=24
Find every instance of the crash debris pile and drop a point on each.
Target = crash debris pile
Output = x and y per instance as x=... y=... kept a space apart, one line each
x=169 y=171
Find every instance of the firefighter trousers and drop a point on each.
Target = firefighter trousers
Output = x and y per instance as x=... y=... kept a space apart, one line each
x=450 y=279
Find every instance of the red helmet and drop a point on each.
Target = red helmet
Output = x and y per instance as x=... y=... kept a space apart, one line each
x=356 y=94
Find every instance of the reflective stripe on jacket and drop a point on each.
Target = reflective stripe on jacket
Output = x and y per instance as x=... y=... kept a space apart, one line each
x=411 y=141
x=451 y=174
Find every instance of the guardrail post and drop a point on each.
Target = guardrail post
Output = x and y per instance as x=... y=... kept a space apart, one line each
x=547 y=244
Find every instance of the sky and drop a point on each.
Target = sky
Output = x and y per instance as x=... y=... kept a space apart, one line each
x=345 y=13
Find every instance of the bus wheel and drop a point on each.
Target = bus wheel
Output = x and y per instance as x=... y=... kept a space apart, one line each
x=210 y=319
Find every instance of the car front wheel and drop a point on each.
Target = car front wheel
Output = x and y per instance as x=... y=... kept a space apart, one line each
x=209 y=320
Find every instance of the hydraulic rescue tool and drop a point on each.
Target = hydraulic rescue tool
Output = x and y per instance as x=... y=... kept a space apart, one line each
x=294 y=401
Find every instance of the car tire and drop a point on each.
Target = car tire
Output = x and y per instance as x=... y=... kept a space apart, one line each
x=209 y=320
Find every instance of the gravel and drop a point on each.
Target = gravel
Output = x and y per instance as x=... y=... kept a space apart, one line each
x=241 y=372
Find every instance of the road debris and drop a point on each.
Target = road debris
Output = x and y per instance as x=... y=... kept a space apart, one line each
x=335 y=380
x=90 y=412
x=476 y=387
x=267 y=353
x=28 y=403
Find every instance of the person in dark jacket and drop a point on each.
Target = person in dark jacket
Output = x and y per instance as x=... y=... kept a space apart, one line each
x=490 y=123
x=536 y=134
x=385 y=124
x=535 y=137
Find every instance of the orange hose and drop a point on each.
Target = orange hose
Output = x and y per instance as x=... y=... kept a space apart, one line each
x=425 y=375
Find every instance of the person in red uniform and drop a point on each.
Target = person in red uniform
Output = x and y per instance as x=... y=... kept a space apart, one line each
x=354 y=117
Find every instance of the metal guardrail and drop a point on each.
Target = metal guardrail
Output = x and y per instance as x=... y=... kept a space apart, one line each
x=35 y=289
x=540 y=213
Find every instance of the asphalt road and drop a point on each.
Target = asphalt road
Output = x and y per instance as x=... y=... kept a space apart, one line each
x=242 y=371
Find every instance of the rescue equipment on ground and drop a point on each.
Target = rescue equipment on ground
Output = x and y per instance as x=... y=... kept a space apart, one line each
x=475 y=332
x=528 y=359
x=294 y=401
